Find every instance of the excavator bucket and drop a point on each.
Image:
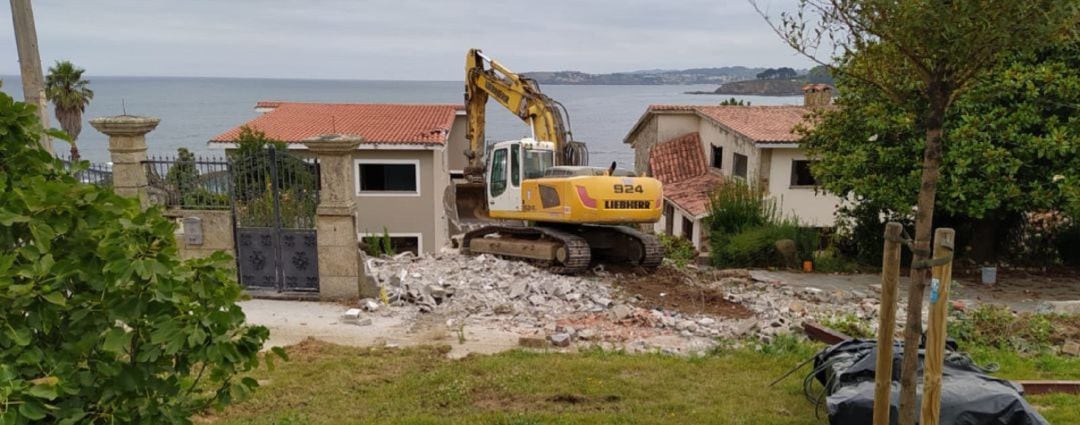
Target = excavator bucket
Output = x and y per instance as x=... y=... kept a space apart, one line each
x=466 y=206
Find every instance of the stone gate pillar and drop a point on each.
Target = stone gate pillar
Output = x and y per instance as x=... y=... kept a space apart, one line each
x=341 y=268
x=127 y=148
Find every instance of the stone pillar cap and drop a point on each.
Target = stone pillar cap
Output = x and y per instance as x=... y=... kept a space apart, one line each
x=125 y=125
x=333 y=142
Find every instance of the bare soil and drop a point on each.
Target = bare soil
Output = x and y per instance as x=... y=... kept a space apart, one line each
x=672 y=289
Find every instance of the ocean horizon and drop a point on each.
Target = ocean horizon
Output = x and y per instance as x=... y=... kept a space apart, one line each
x=195 y=109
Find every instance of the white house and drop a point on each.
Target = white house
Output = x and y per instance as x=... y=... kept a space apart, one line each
x=692 y=148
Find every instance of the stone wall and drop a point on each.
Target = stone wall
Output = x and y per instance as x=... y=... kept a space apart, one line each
x=217 y=232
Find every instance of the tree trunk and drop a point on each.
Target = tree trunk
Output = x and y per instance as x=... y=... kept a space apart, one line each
x=22 y=17
x=920 y=276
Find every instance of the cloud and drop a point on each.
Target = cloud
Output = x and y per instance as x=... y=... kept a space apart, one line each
x=395 y=39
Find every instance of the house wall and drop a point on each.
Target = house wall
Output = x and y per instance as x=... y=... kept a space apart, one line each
x=643 y=142
x=407 y=214
x=457 y=143
x=810 y=206
x=732 y=143
x=677 y=228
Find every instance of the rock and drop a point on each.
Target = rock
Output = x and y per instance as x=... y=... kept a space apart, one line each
x=787 y=249
x=1071 y=348
x=537 y=299
x=706 y=321
x=586 y=334
x=504 y=309
x=518 y=288
x=745 y=327
x=959 y=305
x=602 y=301
x=363 y=322
x=532 y=342
x=1063 y=307
x=620 y=312
x=560 y=339
x=875 y=288
x=351 y=315
x=369 y=304
x=686 y=325
x=797 y=307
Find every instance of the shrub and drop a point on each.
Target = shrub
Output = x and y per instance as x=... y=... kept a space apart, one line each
x=678 y=249
x=745 y=225
x=101 y=320
x=995 y=326
x=1067 y=243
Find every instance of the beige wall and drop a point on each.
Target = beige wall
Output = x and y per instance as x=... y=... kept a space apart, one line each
x=217 y=230
x=457 y=144
x=407 y=214
x=715 y=135
x=810 y=206
x=678 y=230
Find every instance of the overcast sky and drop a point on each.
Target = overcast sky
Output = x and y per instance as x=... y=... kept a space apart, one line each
x=395 y=39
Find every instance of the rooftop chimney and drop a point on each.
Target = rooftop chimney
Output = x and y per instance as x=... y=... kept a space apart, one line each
x=817 y=95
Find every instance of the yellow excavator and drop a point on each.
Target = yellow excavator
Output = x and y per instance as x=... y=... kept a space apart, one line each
x=535 y=198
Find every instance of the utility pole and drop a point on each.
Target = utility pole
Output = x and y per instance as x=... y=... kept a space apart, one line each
x=22 y=18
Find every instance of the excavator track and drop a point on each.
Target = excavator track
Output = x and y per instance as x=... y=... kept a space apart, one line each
x=577 y=253
x=652 y=252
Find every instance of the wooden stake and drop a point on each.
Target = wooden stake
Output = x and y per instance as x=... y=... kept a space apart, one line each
x=936 y=333
x=890 y=277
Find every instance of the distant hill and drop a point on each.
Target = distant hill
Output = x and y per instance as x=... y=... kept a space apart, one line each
x=650 y=77
x=785 y=87
x=772 y=86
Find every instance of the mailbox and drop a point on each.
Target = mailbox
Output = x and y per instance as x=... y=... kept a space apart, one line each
x=193 y=231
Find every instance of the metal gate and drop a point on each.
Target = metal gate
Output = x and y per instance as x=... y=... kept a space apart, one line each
x=275 y=194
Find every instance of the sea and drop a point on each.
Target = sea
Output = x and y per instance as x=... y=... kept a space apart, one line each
x=194 y=110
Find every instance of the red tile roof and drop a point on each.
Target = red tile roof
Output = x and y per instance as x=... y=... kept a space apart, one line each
x=679 y=164
x=762 y=124
x=677 y=159
x=294 y=122
x=692 y=195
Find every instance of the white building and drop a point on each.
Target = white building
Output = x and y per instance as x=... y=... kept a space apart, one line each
x=692 y=148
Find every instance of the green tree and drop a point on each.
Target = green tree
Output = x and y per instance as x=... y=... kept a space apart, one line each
x=1014 y=144
x=734 y=102
x=68 y=91
x=921 y=55
x=101 y=320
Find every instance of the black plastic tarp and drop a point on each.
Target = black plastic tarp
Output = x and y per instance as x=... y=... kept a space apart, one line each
x=968 y=395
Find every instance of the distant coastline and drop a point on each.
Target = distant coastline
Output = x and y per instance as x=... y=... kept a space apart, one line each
x=785 y=87
x=649 y=77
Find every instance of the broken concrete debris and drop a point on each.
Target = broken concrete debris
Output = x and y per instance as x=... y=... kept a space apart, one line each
x=554 y=310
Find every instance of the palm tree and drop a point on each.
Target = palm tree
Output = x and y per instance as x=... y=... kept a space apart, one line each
x=67 y=90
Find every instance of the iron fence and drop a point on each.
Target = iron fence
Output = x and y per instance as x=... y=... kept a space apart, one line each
x=189 y=181
x=93 y=173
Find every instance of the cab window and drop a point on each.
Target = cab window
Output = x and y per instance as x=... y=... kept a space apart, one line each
x=515 y=165
x=537 y=162
x=498 y=173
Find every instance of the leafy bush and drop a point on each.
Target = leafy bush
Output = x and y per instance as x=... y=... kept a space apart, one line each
x=377 y=246
x=101 y=320
x=745 y=225
x=678 y=249
x=736 y=205
x=849 y=324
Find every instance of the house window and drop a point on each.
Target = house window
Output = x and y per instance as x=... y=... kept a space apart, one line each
x=739 y=168
x=800 y=173
x=669 y=218
x=687 y=228
x=385 y=177
x=717 y=157
x=398 y=243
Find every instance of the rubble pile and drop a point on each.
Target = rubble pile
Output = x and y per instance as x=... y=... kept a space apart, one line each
x=512 y=295
x=486 y=286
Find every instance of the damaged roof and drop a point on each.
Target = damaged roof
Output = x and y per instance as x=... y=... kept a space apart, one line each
x=679 y=164
x=408 y=124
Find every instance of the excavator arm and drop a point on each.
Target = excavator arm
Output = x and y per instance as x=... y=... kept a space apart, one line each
x=486 y=78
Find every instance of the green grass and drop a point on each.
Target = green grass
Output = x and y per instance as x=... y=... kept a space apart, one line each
x=329 y=384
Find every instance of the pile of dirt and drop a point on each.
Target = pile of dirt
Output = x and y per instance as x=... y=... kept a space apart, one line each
x=670 y=289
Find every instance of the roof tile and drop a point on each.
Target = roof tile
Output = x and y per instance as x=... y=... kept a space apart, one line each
x=678 y=159
x=294 y=122
x=692 y=195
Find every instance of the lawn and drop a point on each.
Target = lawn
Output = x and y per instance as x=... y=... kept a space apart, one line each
x=329 y=384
